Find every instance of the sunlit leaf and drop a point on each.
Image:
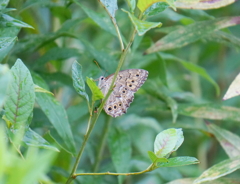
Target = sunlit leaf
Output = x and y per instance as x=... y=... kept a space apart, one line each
x=33 y=139
x=56 y=114
x=145 y=4
x=142 y=26
x=179 y=161
x=191 y=33
x=21 y=95
x=6 y=44
x=228 y=140
x=165 y=142
x=120 y=147
x=9 y=21
x=218 y=170
x=5 y=79
x=78 y=82
x=41 y=90
x=234 y=88
x=110 y=6
x=96 y=92
x=156 y=8
x=210 y=111
x=202 y=5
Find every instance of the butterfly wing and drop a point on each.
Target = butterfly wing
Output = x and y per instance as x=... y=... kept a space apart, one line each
x=126 y=84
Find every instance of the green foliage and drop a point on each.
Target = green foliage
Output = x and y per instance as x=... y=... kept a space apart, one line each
x=53 y=128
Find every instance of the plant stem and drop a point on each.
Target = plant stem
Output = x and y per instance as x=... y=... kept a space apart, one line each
x=102 y=143
x=115 y=174
x=115 y=25
x=93 y=119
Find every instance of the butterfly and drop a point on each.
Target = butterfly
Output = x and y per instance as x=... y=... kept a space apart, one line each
x=126 y=84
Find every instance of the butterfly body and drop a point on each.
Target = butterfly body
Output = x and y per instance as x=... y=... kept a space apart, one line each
x=126 y=84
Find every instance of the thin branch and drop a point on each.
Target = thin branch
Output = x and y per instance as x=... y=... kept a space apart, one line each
x=115 y=25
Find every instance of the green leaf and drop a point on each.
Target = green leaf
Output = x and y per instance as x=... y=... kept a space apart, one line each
x=166 y=142
x=56 y=114
x=78 y=81
x=56 y=53
x=155 y=159
x=228 y=140
x=142 y=26
x=218 y=170
x=156 y=8
x=179 y=161
x=152 y=156
x=193 y=68
x=100 y=20
x=191 y=33
x=33 y=139
x=5 y=79
x=143 y=5
x=110 y=6
x=6 y=44
x=96 y=92
x=21 y=95
x=41 y=90
x=223 y=38
x=233 y=89
x=106 y=61
x=162 y=69
x=209 y=111
x=202 y=5
x=3 y=4
x=8 y=21
x=180 y=139
x=120 y=147
x=132 y=5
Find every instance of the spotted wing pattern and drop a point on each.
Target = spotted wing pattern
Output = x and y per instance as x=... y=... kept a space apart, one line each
x=126 y=84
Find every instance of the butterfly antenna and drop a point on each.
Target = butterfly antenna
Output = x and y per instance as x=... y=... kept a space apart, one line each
x=97 y=65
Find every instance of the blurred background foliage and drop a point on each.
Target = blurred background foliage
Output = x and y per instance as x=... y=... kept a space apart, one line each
x=175 y=95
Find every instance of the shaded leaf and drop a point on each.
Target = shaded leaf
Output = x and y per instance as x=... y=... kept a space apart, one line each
x=78 y=81
x=103 y=23
x=132 y=5
x=193 y=68
x=142 y=26
x=192 y=33
x=120 y=147
x=8 y=21
x=165 y=142
x=3 y=4
x=179 y=161
x=21 y=95
x=6 y=44
x=56 y=53
x=56 y=114
x=33 y=139
x=96 y=92
x=202 y=5
x=5 y=79
x=218 y=170
x=223 y=38
x=209 y=111
x=234 y=88
x=229 y=141
x=41 y=90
